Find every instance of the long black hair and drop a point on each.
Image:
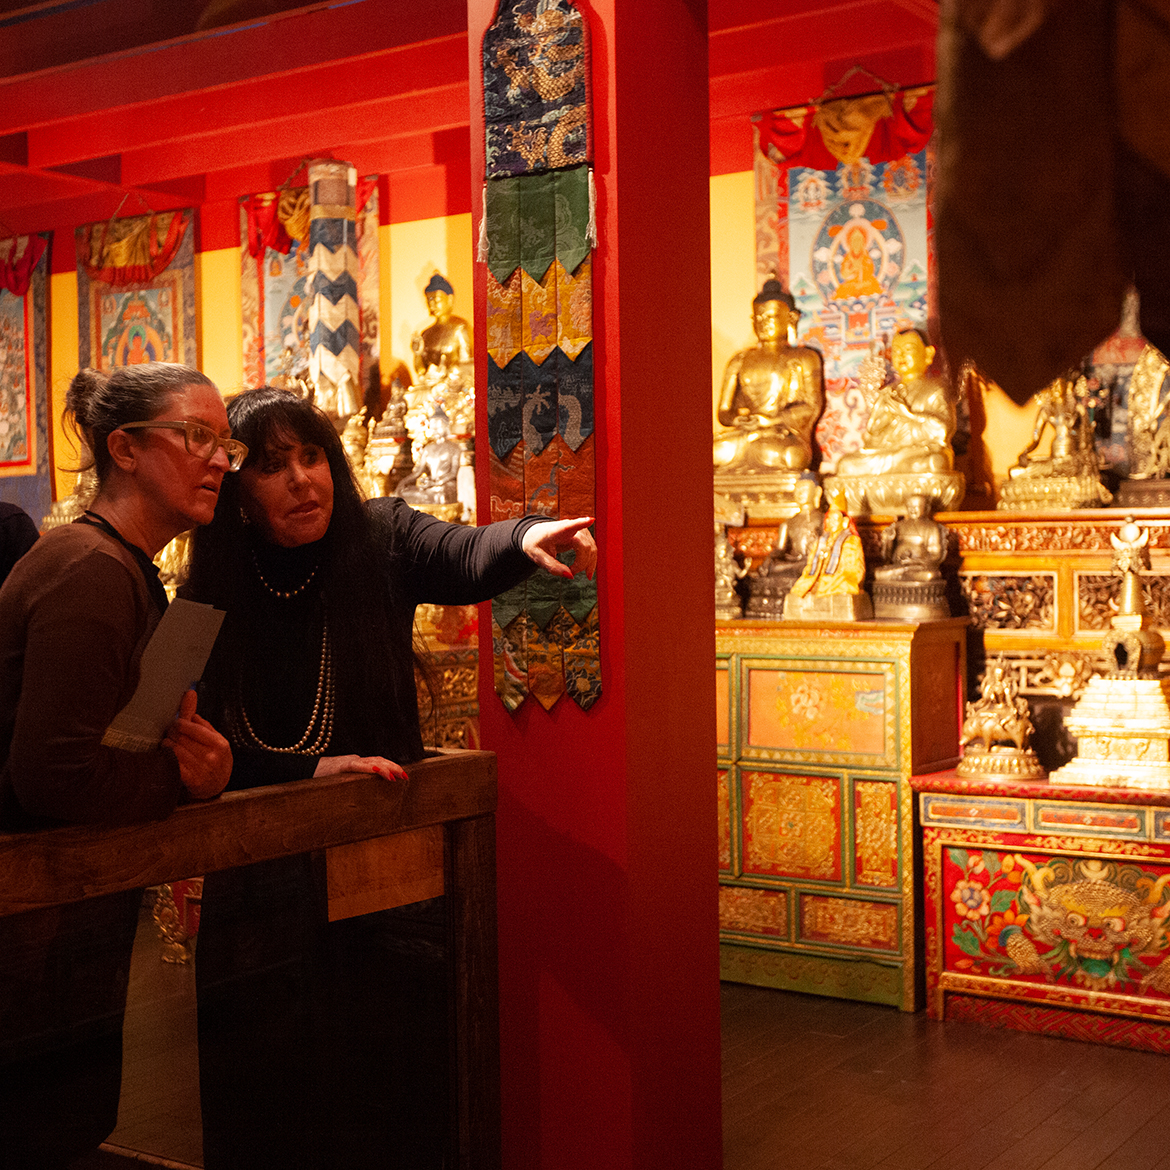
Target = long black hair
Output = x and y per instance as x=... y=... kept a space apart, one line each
x=375 y=671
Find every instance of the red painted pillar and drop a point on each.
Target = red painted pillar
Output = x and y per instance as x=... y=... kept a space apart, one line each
x=607 y=822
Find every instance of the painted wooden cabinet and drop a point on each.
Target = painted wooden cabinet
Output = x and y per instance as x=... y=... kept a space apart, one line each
x=820 y=728
x=1047 y=907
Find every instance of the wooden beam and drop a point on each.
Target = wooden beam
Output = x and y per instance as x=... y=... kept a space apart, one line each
x=76 y=862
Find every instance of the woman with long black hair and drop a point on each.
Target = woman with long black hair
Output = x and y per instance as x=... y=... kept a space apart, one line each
x=312 y=675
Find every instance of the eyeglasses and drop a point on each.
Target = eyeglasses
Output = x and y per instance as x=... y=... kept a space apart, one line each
x=202 y=442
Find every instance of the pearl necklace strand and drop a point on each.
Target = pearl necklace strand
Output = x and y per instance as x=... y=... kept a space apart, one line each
x=322 y=708
x=282 y=593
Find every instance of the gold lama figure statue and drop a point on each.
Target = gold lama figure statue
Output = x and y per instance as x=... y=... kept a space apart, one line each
x=906 y=447
x=831 y=584
x=910 y=585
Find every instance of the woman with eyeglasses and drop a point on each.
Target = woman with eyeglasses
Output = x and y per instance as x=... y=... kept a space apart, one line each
x=75 y=616
x=301 y=1064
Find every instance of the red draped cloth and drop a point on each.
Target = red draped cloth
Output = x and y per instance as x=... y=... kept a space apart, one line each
x=151 y=251
x=16 y=272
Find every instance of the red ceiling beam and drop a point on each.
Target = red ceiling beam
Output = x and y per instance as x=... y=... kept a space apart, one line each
x=311 y=132
x=279 y=46
x=414 y=71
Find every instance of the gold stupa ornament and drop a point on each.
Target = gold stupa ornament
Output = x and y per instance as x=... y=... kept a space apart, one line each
x=1122 y=721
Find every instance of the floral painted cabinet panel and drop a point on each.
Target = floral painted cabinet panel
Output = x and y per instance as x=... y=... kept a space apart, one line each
x=1047 y=908
x=819 y=729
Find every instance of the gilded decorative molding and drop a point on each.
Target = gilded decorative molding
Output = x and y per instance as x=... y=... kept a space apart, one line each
x=876 y=832
x=1098 y=593
x=849 y=922
x=753 y=911
x=1010 y=601
x=791 y=825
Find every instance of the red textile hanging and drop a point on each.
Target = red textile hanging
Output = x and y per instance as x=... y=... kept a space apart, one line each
x=265 y=229
x=796 y=138
x=15 y=275
x=365 y=188
x=147 y=255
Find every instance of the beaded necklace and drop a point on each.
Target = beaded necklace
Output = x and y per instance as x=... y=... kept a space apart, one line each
x=282 y=593
x=323 y=704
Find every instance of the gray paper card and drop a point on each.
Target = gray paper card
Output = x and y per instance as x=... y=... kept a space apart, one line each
x=172 y=662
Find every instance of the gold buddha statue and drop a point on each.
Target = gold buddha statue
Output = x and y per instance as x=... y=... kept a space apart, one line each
x=1068 y=476
x=445 y=345
x=771 y=397
x=905 y=449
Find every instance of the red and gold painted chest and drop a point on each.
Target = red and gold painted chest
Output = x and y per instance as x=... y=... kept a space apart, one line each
x=819 y=730
x=1047 y=908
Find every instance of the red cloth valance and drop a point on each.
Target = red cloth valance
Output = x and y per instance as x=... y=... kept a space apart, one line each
x=15 y=274
x=881 y=127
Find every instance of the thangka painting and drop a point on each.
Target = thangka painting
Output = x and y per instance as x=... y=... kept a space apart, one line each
x=25 y=456
x=274 y=266
x=136 y=290
x=843 y=220
x=537 y=241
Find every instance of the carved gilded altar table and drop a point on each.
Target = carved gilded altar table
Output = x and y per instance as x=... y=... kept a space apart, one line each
x=820 y=728
x=1046 y=908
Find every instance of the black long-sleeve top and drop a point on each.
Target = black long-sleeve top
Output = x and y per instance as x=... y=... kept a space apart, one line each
x=422 y=560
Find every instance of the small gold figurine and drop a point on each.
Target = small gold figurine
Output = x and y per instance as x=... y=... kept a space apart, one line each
x=772 y=395
x=1122 y=720
x=1148 y=410
x=997 y=731
x=768 y=587
x=910 y=585
x=1068 y=476
x=906 y=446
x=830 y=586
x=728 y=606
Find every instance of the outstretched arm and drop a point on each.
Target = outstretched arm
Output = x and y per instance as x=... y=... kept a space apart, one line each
x=543 y=541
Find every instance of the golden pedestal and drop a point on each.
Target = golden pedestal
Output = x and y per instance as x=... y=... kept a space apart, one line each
x=1052 y=493
x=886 y=495
x=761 y=498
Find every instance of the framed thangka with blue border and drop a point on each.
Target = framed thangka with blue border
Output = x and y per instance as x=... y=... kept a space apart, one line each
x=274 y=271
x=136 y=291
x=26 y=475
x=843 y=221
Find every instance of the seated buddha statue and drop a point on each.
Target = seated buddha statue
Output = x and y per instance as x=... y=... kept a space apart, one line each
x=445 y=344
x=913 y=547
x=772 y=394
x=910 y=585
x=912 y=420
x=434 y=478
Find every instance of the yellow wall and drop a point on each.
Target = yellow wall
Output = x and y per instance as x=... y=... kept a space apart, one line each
x=410 y=254
x=733 y=271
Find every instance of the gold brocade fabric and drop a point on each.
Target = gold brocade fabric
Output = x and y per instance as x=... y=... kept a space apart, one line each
x=126 y=243
x=293 y=212
x=847 y=124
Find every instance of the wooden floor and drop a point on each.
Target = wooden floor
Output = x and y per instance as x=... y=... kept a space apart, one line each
x=809 y=1083
x=822 y=1084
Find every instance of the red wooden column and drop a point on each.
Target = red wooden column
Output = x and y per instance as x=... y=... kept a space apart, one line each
x=606 y=830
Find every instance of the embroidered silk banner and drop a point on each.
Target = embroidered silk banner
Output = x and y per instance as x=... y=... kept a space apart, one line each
x=536 y=243
x=844 y=220
x=131 y=310
x=25 y=458
x=274 y=263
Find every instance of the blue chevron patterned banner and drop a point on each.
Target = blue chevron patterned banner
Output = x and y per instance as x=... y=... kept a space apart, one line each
x=334 y=321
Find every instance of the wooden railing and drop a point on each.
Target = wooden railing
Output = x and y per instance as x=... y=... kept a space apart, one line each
x=386 y=843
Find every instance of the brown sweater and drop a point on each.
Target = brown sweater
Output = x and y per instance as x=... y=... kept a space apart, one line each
x=75 y=615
